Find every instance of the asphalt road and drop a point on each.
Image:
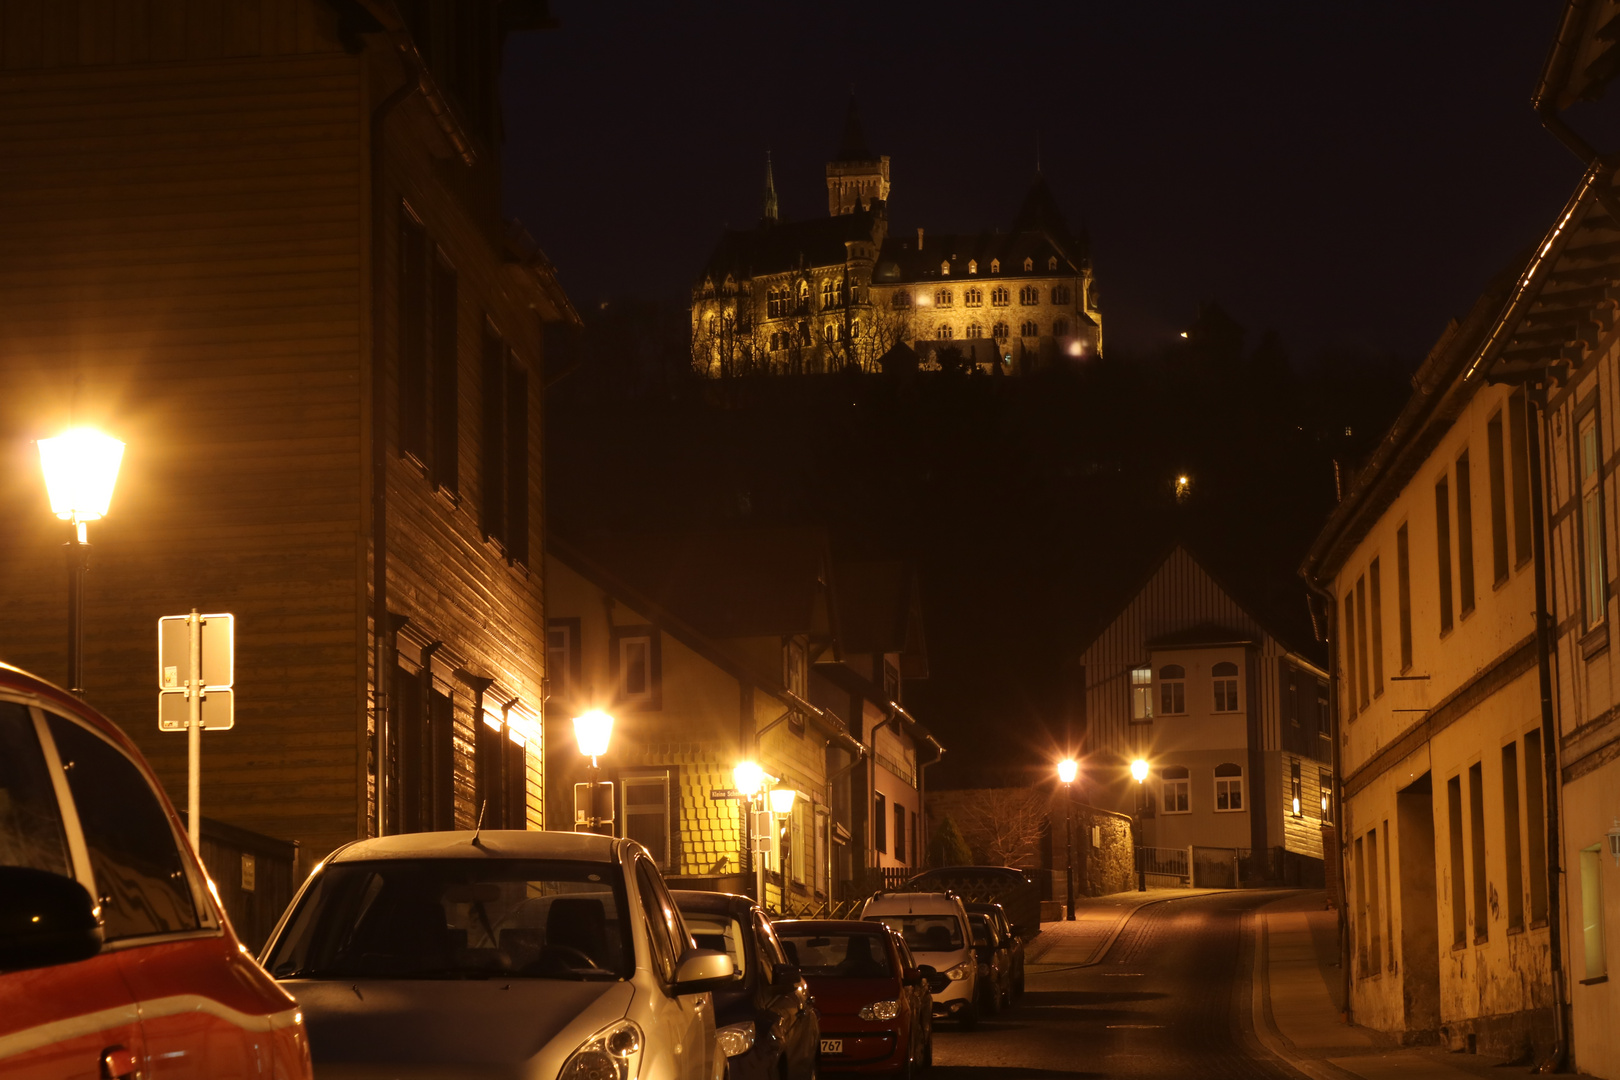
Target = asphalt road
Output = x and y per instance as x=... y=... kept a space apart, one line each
x=1170 y=999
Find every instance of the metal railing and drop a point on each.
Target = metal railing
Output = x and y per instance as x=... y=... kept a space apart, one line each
x=1165 y=862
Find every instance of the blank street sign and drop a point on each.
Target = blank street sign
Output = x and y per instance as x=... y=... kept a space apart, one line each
x=218 y=710
x=218 y=652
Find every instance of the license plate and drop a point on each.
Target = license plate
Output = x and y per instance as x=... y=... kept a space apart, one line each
x=832 y=1046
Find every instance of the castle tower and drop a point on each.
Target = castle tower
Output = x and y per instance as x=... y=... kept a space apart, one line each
x=855 y=179
x=772 y=210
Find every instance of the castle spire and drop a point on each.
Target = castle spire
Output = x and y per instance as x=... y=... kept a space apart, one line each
x=771 y=209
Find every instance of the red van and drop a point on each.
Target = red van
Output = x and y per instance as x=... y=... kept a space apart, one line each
x=116 y=959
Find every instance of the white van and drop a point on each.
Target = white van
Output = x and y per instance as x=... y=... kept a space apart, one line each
x=935 y=926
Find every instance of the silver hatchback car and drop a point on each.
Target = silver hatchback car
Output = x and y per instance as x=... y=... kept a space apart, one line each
x=521 y=954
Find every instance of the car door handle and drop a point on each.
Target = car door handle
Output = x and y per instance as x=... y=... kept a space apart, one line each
x=120 y=1063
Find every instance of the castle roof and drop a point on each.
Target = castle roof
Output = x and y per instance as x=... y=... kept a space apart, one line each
x=902 y=260
x=853 y=147
x=779 y=247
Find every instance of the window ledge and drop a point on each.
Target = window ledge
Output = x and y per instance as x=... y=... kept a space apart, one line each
x=1595 y=641
x=1595 y=980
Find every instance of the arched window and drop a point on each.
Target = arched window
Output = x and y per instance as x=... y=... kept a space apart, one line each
x=855 y=329
x=945 y=268
x=1172 y=690
x=942 y=298
x=1028 y=295
x=1060 y=327
x=828 y=291
x=973 y=297
x=1029 y=264
x=900 y=301
x=1226 y=686
x=944 y=332
x=1051 y=263
x=1177 y=789
x=804 y=294
x=995 y=266
x=999 y=296
x=1000 y=331
x=1228 y=787
x=1030 y=329
x=1061 y=294
x=828 y=333
x=974 y=330
x=973 y=266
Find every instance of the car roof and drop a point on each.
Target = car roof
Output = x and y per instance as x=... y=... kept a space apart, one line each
x=829 y=926
x=912 y=903
x=714 y=902
x=972 y=871
x=983 y=908
x=47 y=694
x=492 y=844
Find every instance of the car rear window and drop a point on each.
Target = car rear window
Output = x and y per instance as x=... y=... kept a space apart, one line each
x=847 y=954
x=30 y=820
x=458 y=919
x=926 y=933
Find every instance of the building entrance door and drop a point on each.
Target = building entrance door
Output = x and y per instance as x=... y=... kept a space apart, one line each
x=1420 y=910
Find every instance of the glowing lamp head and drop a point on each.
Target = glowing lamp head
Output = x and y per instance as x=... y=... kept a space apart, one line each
x=593 y=730
x=782 y=800
x=1139 y=770
x=1067 y=770
x=748 y=778
x=81 y=467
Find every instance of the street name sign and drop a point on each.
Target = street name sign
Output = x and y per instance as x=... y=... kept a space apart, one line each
x=724 y=793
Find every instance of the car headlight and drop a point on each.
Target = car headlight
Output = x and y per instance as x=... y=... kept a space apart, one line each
x=734 y=1039
x=880 y=1010
x=614 y=1053
x=961 y=971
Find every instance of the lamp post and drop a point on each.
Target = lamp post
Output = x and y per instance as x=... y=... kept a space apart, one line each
x=1139 y=771
x=1067 y=770
x=782 y=800
x=80 y=467
x=593 y=730
x=748 y=779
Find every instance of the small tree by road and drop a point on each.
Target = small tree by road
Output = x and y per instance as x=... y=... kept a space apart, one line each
x=1004 y=826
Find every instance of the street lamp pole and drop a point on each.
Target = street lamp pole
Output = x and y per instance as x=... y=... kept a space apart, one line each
x=782 y=800
x=1067 y=771
x=1139 y=770
x=748 y=779
x=80 y=467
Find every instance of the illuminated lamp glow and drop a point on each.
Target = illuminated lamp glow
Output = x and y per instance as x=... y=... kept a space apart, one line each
x=593 y=730
x=81 y=467
x=782 y=800
x=1139 y=769
x=1067 y=770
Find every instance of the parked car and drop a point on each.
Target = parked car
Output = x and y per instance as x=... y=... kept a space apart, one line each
x=1014 y=889
x=548 y=955
x=874 y=1021
x=935 y=929
x=1014 y=943
x=116 y=959
x=922 y=999
x=995 y=963
x=764 y=1023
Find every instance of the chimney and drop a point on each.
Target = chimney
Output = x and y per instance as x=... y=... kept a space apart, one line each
x=919 y=238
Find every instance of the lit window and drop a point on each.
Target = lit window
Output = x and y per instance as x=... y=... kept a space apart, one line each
x=1226 y=686
x=1060 y=327
x=1296 y=788
x=1000 y=332
x=995 y=266
x=1142 y=693
x=974 y=330
x=1228 y=787
x=999 y=296
x=804 y=294
x=943 y=298
x=1594 y=591
x=1029 y=264
x=944 y=332
x=973 y=297
x=1177 y=789
x=1324 y=783
x=945 y=268
x=1030 y=329
x=1172 y=690
x=973 y=266
x=1029 y=295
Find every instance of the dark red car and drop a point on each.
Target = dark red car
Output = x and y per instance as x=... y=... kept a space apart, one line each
x=868 y=999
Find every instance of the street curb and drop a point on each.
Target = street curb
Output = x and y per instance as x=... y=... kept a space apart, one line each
x=1260 y=1021
x=1119 y=927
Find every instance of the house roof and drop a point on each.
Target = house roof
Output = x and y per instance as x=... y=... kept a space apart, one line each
x=880 y=611
x=1202 y=634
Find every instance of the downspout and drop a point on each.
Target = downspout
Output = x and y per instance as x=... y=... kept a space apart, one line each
x=1331 y=617
x=381 y=658
x=832 y=869
x=1549 y=741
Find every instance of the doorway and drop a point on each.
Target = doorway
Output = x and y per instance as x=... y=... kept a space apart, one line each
x=1420 y=911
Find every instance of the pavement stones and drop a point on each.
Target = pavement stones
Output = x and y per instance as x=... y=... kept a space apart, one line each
x=1097 y=922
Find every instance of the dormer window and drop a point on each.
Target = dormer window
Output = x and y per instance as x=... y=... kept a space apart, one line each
x=945 y=268
x=995 y=266
x=973 y=266
x=1172 y=690
x=1029 y=264
x=1051 y=263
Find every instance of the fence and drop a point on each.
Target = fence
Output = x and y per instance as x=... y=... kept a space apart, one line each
x=822 y=909
x=1165 y=866
x=255 y=875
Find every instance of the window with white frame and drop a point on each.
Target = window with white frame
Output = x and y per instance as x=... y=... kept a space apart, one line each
x=1594 y=574
x=563 y=658
x=1177 y=788
x=1228 y=787
x=634 y=659
x=1226 y=686
x=1172 y=690
x=1141 y=693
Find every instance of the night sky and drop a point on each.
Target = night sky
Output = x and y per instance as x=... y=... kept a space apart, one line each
x=1341 y=173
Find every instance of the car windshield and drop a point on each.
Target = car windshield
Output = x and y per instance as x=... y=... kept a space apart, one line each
x=722 y=933
x=458 y=919
x=845 y=955
x=926 y=933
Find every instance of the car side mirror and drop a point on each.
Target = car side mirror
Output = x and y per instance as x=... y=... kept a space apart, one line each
x=45 y=919
x=786 y=977
x=701 y=970
x=913 y=977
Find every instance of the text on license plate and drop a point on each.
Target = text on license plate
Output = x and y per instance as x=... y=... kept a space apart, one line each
x=832 y=1046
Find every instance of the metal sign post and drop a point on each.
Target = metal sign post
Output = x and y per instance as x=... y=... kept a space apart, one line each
x=196 y=667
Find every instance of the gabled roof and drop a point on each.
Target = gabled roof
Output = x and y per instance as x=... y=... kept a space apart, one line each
x=783 y=246
x=880 y=611
x=901 y=260
x=853 y=146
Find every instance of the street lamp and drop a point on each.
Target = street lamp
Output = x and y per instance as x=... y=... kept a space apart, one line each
x=593 y=730
x=1139 y=772
x=782 y=800
x=748 y=779
x=1067 y=770
x=81 y=467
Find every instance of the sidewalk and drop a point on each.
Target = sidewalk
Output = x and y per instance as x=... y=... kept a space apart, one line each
x=1298 y=1007
x=1097 y=922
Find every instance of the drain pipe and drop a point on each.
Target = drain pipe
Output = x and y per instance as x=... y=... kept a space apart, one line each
x=381 y=635
x=1549 y=740
x=1331 y=617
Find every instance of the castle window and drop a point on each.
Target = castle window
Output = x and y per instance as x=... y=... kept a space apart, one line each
x=1030 y=329
x=900 y=301
x=1028 y=295
x=804 y=333
x=1051 y=263
x=1000 y=332
x=974 y=330
x=945 y=268
x=1029 y=264
x=944 y=332
x=1060 y=327
x=804 y=295
x=972 y=297
x=828 y=292
x=828 y=333
x=942 y=298
x=777 y=303
x=855 y=329
x=995 y=266
x=973 y=266
x=1061 y=294
x=999 y=296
